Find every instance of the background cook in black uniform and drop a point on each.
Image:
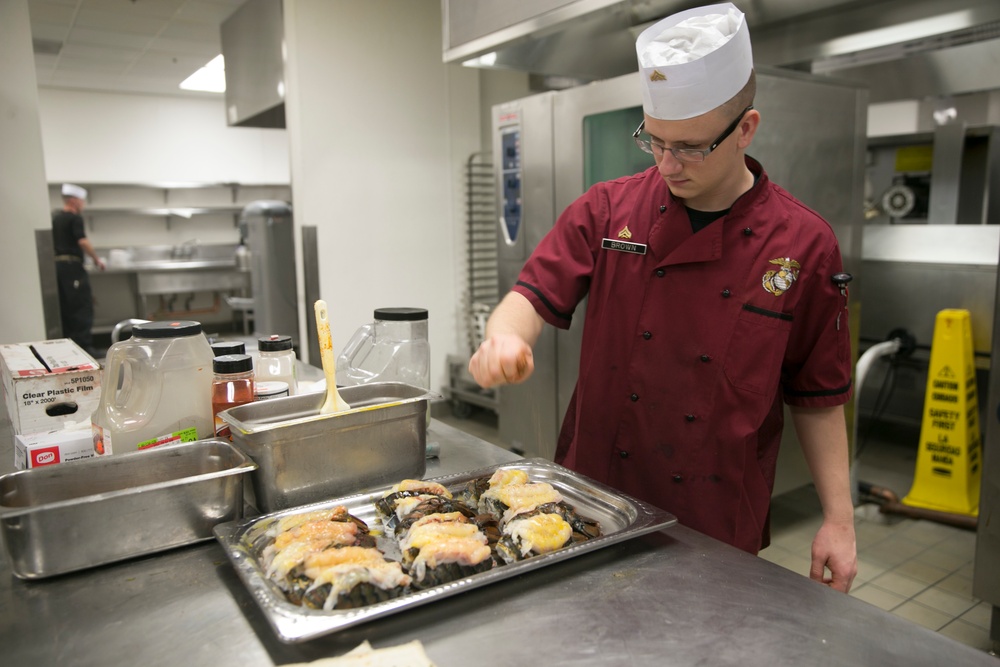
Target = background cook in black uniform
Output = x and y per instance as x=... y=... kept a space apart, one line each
x=76 y=301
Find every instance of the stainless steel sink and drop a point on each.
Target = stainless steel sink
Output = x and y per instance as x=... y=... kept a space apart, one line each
x=181 y=264
x=183 y=257
x=143 y=281
x=192 y=279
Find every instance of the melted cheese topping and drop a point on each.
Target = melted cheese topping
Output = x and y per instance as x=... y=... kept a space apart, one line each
x=420 y=485
x=342 y=556
x=406 y=505
x=440 y=517
x=540 y=534
x=437 y=517
x=519 y=497
x=289 y=522
x=299 y=535
x=508 y=476
x=461 y=550
x=421 y=536
x=293 y=554
x=342 y=533
x=347 y=567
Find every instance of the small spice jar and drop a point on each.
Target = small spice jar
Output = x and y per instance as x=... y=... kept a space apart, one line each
x=277 y=361
x=232 y=385
x=223 y=347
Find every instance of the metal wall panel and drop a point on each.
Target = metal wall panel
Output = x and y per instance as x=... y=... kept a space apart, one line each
x=253 y=41
x=902 y=49
x=50 y=287
x=310 y=274
x=468 y=20
x=914 y=269
x=909 y=295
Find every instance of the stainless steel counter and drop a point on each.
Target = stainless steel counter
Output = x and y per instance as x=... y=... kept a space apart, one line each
x=169 y=266
x=181 y=276
x=673 y=597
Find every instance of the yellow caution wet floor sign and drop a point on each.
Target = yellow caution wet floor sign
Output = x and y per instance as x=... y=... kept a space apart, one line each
x=949 y=469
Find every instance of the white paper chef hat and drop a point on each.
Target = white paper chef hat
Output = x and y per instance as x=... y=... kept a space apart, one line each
x=694 y=61
x=70 y=190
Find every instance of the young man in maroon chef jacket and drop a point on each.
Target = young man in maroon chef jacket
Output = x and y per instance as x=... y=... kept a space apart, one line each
x=711 y=304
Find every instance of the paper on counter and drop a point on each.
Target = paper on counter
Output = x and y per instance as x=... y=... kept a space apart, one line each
x=306 y=387
x=404 y=655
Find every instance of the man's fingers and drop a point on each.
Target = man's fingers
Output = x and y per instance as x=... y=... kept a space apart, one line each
x=515 y=370
x=816 y=570
x=501 y=361
x=837 y=580
x=479 y=367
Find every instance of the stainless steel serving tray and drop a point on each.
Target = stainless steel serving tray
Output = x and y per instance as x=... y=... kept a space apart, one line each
x=621 y=518
x=306 y=457
x=72 y=516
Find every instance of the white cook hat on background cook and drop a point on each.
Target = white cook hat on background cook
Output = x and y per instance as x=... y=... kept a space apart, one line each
x=70 y=190
x=693 y=61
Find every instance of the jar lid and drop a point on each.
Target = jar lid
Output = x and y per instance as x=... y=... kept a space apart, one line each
x=174 y=329
x=271 y=388
x=274 y=343
x=229 y=347
x=401 y=314
x=232 y=363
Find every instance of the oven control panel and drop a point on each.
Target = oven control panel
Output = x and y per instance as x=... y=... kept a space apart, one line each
x=510 y=182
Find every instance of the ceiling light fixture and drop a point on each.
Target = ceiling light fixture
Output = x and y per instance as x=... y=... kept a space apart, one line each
x=485 y=60
x=210 y=79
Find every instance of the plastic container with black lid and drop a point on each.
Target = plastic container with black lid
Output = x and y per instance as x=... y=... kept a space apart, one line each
x=223 y=347
x=156 y=388
x=393 y=348
x=276 y=361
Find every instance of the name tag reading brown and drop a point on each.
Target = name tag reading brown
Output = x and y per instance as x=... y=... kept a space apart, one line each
x=624 y=246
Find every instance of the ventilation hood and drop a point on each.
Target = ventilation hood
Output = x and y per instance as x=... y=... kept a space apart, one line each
x=253 y=46
x=567 y=42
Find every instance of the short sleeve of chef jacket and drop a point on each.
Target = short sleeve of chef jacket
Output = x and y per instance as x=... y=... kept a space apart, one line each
x=816 y=363
x=557 y=275
x=816 y=367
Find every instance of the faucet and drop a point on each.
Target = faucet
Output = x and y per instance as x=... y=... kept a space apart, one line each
x=185 y=250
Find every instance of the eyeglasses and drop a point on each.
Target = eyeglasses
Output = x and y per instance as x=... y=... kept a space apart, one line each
x=685 y=154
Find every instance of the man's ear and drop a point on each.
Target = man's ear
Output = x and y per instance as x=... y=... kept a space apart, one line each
x=748 y=128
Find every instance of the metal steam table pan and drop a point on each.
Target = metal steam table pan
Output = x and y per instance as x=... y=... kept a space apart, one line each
x=71 y=516
x=306 y=457
x=621 y=518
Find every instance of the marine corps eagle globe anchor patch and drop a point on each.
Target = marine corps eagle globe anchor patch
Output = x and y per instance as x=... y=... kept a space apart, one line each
x=778 y=281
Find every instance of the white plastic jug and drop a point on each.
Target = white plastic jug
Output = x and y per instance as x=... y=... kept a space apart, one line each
x=157 y=388
x=393 y=348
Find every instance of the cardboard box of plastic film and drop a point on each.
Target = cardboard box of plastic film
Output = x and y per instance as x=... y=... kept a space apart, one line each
x=48 y=384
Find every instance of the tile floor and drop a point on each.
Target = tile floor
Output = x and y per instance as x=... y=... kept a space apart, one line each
x=916 y=569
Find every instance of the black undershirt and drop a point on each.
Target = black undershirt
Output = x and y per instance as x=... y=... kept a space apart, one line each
x=702 y=219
